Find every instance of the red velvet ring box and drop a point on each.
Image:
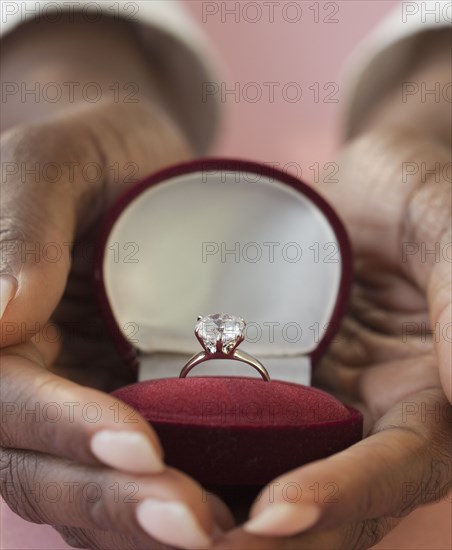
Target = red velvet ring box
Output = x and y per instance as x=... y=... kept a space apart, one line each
x=220 y=235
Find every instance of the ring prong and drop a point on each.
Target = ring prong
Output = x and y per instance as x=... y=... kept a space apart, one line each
x=219 y=344
x=200 y=340
x=237 y=344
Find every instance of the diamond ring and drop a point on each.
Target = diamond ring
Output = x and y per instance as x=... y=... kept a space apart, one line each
x=220 y=335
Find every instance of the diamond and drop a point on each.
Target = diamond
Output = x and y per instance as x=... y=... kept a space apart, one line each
x=221 y=327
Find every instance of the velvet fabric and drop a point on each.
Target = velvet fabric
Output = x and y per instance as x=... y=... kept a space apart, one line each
x=242 y=431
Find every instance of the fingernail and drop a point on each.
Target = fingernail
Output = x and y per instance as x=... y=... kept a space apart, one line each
x=128 y=451
x=8 y=289
x=172 y=523
x=282 y=519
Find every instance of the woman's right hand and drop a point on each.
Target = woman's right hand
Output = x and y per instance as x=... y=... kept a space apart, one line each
x=73 y=456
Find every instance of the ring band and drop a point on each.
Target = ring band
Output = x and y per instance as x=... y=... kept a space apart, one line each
x=237 y=355
x=220 y=335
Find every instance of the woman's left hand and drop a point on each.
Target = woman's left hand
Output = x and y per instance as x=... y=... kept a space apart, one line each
x=389 y=359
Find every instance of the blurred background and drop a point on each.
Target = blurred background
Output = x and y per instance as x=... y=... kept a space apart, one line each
x=306 y=43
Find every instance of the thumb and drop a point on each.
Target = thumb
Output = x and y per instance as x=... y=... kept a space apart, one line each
x=49 y=197
x=36 y=227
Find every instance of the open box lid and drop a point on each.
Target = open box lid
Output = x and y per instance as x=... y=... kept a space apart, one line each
x=223 y=235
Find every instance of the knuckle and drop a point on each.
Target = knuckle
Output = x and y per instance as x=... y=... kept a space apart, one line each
x=365 y=534
x=105 y=540
x=428 y=211
x=89 y=538
x=18 y=486
x=435 y=481
x=73 y=537
x=33 y=426
x=431 y=464
x=32 y=158
x=12 y=242
x=411 y=168
x=107 y=526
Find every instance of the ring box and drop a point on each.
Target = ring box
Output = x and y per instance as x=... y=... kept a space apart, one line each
x=232 y=236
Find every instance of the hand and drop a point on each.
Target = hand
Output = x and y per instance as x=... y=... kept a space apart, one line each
x=392 y=356
x=386 y=360
x=72 y=456
x=104 y=460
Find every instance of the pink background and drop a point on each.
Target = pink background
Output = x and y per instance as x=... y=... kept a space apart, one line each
x=300 y=133
x=305 y=52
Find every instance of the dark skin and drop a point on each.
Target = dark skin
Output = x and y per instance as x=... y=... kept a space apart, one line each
x=385 y=360
x=48 y=369
x=370 y=365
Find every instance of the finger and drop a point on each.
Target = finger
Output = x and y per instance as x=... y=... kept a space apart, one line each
x=403 y=464
x=223 y=516
x=59 y=178
x=48 y=342
x=440 y=305
x=428 y=232
x=404 y=376
x=238 y=539
x=358 y=345
x=95 y=539
x=46 y=413
x=109 y=540
x=377 y=199
x=396 y=201
x=357 y=536
x=169 y=506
